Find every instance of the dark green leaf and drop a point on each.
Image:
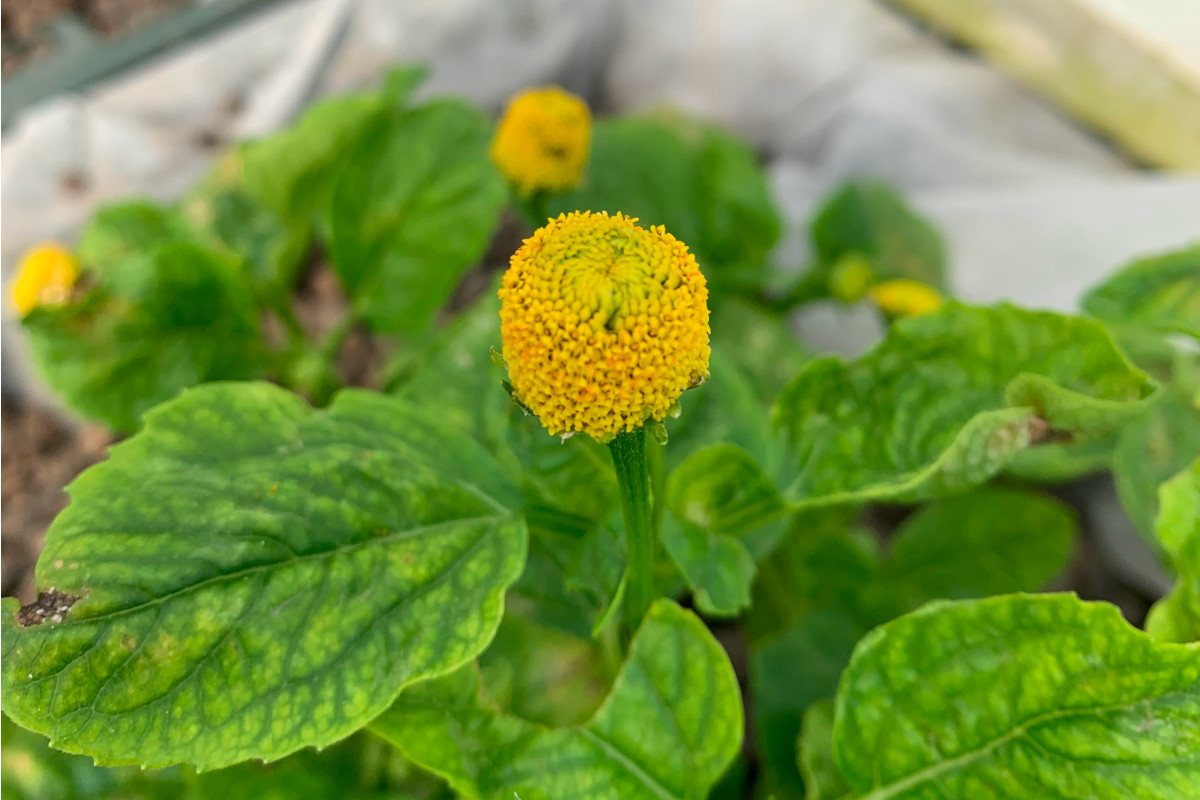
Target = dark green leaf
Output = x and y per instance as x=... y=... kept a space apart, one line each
x=702 y=184
x=989 y=541
x=413 y=208
x=677 y=682
x=948 y=399
x=247 y=577
x=1160 y=292
x=870 y=222
x=815 y=754
x=157 y=322
x=1018 y=696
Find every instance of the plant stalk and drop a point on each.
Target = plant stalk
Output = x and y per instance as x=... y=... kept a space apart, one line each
x=629 y=457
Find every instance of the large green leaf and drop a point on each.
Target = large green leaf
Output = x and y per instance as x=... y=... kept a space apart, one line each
x=705 y=186
x=984 y=542
x=869 y=224
x=413 y=208
x=1177 y=616
x=948 y=399
x=1160 y=292
x=677 y=687
x=248 y=576
x=1150 y=450
x=1018 y=696
x=155 y=322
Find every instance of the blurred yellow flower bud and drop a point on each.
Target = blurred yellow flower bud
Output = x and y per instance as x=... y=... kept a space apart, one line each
x=605 y=324
x=542 y=141
x=851 y=277
x=905 y=298
x=45 y=278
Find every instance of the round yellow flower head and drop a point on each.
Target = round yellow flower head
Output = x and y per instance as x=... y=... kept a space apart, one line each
x=905 y=298
x=542 y=142
x=45 y=278
x=604 y=324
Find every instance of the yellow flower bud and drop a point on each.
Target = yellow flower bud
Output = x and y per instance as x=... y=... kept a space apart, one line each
x=905 y=298
x=45 y=278
x=542 y=142
x=605 y=324
x=851 y=277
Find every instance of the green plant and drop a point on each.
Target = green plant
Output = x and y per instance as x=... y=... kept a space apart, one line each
x=419 y=577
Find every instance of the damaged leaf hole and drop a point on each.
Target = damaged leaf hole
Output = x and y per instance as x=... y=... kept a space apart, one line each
x=51 y=605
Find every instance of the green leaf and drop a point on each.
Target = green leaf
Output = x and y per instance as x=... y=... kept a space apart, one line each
x=1054 y=462
x=721 y=503
x=414 y=207
x=787 y=675
x=156 y=322
x=129 y=230
x=1151 y=449
x=1018 y=696
x=248 y=576
x=705 y=186
x=543 y=674
x=1160 y=292
x=815 y=754
x=947 y=400
x=1176 y=617
x=762 y=346
x=988 y=541
x=677 y=683
x=273 y=250
x=292 y=172
x=870 y=221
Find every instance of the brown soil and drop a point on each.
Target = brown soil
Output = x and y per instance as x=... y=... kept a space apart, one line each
x=41 y=454
x=27 y=31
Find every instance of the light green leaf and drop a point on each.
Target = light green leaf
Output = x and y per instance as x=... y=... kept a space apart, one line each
x=413 y=208
x=1176 y=617
x=762 y=346
x=1151 y=449
x=705 y=186
x=677 y=682
x=1018 y=696
x=988 y=541
x=292 y=172
x=870 y=221
x=248 y=576
x=1053 y=462
x=155 y=322
x=129 y=230
x=947 y=400
x=815 y=754
x=1160 y=292
x=721 y=504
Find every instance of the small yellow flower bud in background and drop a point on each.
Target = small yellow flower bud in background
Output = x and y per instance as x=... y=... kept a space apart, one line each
x=905 y=298
x=851 y=277
x=45 y=278
x=605 y=324
x=542 y=141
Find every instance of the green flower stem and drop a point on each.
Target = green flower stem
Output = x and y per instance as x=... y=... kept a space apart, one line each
x=533 y=207
x=629 y=457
